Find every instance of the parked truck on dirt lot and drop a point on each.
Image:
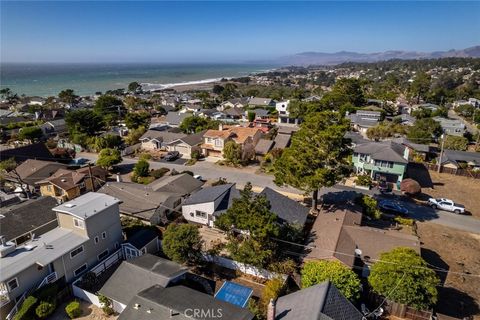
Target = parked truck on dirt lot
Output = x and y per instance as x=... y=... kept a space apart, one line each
x=447 y=205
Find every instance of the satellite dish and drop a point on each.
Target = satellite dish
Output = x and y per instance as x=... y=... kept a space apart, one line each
x=358 y=252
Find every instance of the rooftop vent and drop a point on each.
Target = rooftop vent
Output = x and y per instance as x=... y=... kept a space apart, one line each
x=70 y=205
x=136 y=306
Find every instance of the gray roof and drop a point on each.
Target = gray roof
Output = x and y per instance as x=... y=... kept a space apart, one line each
x=355 y=137
x=87 y=205
x=139 y=200
x=181 y=184
x=415 y=146
x=27 y=216
x=319 y=302
x=234 y=112
x=256 y=101
x=32 y=171
x=282 y=141
x=192 y=139
x=209 y=194
x=387 y=151
x=142 y=237
x=286 y=209
x=60 y=239
x=453 y=156
x=135 y=275
x=362 y=122
x=175 y=118
x=162 y=136
x=263 y=146
x=260 y=112
x=180 y=301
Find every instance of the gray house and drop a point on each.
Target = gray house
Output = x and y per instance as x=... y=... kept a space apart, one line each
x=321 y=301
x=88 y=231
x=454 y=127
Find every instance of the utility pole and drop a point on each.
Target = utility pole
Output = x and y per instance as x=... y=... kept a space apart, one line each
x=441 y=154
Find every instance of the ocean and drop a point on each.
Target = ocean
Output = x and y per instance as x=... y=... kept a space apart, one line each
x=86 y=79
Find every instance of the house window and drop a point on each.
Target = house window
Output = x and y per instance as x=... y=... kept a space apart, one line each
x=200 y=214
x=363 y=157
x=102 y=255
x=76 y=251
x=12 y=284
x=104 y=234
x=383 y=164
x=144 y=250
x=80 y=270
x=116 y=245
x=95 y=240
x=218 y=143
x=78 y=223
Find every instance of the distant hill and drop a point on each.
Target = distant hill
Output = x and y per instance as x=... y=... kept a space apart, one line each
x=311 y=58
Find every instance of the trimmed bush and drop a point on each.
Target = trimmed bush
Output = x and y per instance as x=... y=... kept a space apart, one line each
x=364 y=180
x=73 y=310
x=404 y=221
x=27 y=309
x=45 y=309
x=159 y=172
x=369 y=206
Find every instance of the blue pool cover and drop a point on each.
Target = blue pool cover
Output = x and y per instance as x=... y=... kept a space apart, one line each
x=234 y=293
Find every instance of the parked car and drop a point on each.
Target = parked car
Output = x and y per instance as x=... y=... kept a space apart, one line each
x=172 y=156
x=447 y=205
x=392 y=207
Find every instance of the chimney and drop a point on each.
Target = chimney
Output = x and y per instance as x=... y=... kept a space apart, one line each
x=271 y=310
x=220 y=126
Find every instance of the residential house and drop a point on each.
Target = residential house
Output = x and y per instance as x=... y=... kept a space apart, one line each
x=430 y=106
x=282 y=140
x=263 y=147
x=284 y=114
x=157 y=140
x=138 y=274
x=88 y=231
x=54 y=127
x=259 y=113
x=416 y=150
x=174 y=119
x=239 y=103
x=22 y=222
x=215 y=140
x=261 y=102
x=454 y=127
x=140 y=242
x=37 y=151
x=288 y=211
x=186 y=144
x=407 y=120
x=381 y=160
x=183 y=184
x=321 y=301
x=338 y=234
x=364 y=119
x=28 y=173
x=142 y=202
x=233 y=114
x=205 y=205
x=460 y=159
x=66 y=185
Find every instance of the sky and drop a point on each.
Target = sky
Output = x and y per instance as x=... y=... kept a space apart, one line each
x=227 y=31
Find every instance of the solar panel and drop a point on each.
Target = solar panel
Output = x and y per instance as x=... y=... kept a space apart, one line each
x=234 y=293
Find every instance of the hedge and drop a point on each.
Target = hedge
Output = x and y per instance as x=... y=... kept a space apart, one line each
x=73 y=310
x=45 y=309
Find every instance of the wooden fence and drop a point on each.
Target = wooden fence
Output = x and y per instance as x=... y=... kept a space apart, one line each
x=458 y=172
x=399 y=310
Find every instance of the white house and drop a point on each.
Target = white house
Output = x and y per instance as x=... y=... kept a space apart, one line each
x=205 y=205
x=282 y=108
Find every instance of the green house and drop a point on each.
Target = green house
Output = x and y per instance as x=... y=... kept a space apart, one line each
x=381 y=160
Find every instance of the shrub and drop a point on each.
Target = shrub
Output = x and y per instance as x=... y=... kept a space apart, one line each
x=106 y=305
x=145 y=156
x=196 y=153
x=144 y=180
x=44 y=309
x=158 y=173
x=26 y=310
x=73 y=310
x=369 y=206
x=404 y=221
x=141 y=168
x=272 y=290
x=364 y=180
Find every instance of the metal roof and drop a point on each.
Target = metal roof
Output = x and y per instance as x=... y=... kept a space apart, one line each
x=87 y=205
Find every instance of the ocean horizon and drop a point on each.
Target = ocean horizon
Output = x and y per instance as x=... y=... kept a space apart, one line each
x=48 y=79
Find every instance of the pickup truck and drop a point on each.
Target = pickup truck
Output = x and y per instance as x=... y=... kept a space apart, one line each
x=446 y=204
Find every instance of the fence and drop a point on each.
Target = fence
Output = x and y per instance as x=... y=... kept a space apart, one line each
x=399 y=310
x=107 y=263
x=458 y=172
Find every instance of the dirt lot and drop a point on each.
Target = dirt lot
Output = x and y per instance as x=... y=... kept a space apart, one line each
x=89 y=312
x=463 y=190
x=459 y=252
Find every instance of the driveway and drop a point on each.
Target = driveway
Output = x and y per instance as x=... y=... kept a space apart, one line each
x=341 y=194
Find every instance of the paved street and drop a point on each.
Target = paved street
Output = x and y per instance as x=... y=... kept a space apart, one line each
x=209 y=170
x=418 y=212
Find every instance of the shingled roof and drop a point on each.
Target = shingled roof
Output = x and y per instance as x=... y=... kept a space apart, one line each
x=387 y=151
x=286 y=209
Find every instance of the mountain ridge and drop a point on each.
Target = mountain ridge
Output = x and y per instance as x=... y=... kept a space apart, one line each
x=324 y=58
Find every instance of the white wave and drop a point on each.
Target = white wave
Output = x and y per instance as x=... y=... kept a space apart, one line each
x=159 y=86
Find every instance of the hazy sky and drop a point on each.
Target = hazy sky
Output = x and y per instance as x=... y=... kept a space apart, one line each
x=223 y=31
